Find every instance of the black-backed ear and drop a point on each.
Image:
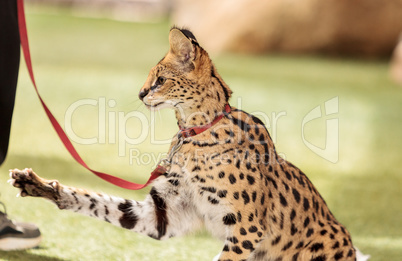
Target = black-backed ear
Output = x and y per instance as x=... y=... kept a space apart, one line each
x=181 y=46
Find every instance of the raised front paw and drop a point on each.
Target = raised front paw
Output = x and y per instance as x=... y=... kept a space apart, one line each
x=32 y=185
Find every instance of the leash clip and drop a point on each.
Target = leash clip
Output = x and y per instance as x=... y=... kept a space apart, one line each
x=166 y=162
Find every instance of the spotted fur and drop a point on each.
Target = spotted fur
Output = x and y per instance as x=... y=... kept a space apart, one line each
x=228 y=178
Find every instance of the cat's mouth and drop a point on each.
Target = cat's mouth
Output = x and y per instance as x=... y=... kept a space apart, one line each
x=162 y=104
x=153 y=105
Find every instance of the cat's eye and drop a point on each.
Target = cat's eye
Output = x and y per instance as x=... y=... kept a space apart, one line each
x=161 y=80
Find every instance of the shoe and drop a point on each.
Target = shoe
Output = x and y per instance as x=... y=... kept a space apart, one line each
x=17 y=235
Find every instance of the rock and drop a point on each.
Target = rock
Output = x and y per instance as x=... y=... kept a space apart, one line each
x=367 y=28
x=396 y=63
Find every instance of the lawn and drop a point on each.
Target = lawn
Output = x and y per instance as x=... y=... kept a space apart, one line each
x=81 y=60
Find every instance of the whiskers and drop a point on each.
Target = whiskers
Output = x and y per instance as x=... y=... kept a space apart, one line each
x=160 y=116
x=134 y=105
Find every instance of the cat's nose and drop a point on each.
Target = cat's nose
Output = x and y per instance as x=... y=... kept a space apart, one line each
x=143 y=93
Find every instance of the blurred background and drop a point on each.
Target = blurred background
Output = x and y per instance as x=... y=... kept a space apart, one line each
x=282 y=59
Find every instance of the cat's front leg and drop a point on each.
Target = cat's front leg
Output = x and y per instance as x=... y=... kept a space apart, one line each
x=152 y=217
x=108 y=208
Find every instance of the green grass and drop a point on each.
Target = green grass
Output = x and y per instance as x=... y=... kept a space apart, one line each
x=76 y=58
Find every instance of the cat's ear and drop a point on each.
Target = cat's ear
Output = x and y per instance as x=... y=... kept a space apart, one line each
x=181 y=47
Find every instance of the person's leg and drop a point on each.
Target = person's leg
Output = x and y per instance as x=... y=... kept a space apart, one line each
x=9 y=66
x=13 y=235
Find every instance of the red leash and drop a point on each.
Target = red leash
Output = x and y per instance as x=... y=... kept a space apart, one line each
x=67 y=143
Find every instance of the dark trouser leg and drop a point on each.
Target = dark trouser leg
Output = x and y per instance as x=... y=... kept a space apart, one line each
x=9 y=65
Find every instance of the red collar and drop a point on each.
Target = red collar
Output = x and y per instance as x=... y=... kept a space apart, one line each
x=189 y=132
